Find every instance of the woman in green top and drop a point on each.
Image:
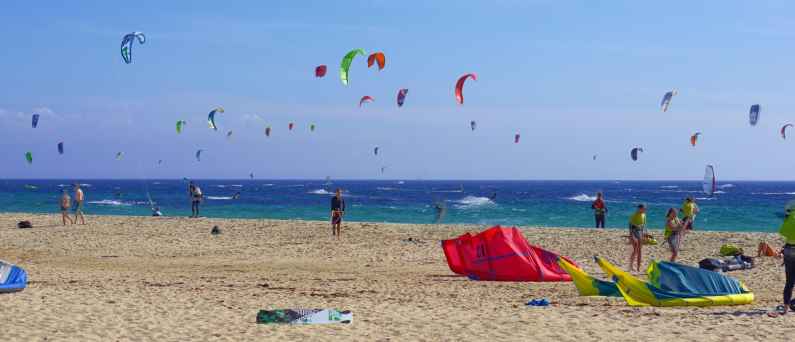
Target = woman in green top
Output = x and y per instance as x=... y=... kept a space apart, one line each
x=637 y=223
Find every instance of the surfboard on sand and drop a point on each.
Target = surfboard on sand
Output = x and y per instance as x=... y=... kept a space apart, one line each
x=304 y=316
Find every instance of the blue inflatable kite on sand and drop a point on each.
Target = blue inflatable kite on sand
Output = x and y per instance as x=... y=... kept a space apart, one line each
x=12 y=278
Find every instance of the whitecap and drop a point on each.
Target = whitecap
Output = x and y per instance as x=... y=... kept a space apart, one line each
x=472 y=201
x=218 y=197
x=669 y=186
x=114 y=203
x=726 y=186
x=385 y=188
x=320 y=192
x=582 y=198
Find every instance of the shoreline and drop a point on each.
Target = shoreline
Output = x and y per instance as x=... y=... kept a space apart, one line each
x=133 y=277
x=474 y=225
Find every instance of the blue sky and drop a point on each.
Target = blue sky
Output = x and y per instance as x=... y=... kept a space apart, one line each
x=574 y=78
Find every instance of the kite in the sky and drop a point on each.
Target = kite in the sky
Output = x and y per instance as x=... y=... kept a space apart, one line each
x=290 y=126
x=383 y=168
x=459 y=87
x=180 y=123
x=159 y=161
x=666 y=100
x=35 y=120
x=119 y=155
x=364 y=99
x=377 y=57
x=375 y=150
x=127 y=44
x=634 y=153
x=60 y=147
x=694 y=138
x=401 y=97
x=594 y=157
x=311 y=127
x=473 y=125
x=211 y=117
x=753 y=114
x=251 y=175
x=199 y=154
x=345 y=65
x=229 y=135
x=268 y=131
x=320 y=70
x=29 y=157
x=784 y=130
x=516 y=138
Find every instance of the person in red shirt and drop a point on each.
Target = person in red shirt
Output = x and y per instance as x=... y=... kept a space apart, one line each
x=599 y=210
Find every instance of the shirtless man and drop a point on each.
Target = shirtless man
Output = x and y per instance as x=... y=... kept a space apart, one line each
x=79 y=198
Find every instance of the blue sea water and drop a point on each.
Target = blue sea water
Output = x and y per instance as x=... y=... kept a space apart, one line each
x=737 y=206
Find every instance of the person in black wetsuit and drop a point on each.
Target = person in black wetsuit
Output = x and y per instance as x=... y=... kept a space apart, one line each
x=337 y=211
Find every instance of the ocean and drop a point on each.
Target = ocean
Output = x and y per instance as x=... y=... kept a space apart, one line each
x=737 y=206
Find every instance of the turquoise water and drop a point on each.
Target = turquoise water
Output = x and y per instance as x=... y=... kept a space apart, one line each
x=737 y=206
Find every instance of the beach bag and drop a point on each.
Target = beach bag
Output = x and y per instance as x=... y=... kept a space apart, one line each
x=24 y=224
x=765 y=250
x=711 y=264
x=649 y=240
x=730 y=250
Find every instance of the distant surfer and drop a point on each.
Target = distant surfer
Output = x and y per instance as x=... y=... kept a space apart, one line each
x=599 y=210
x=236 y=196
x=195 y=193
x=493 y=196
x=156 y=212
x=441 y=210
x=337 y=211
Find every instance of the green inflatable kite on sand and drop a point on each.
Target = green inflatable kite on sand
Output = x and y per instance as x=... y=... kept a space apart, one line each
x=304 y=316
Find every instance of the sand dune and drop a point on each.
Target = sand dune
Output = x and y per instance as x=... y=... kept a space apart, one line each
x=142 y=278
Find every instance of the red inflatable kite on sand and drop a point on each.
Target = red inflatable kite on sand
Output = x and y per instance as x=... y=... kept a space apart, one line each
x=502 y=254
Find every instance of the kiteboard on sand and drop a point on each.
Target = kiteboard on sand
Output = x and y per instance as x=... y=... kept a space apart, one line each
x=304 y=316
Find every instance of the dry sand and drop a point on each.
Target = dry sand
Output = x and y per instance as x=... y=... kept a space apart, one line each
x=142 y=278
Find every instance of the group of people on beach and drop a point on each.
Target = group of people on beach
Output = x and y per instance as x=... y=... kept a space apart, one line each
x=66 y=203
x=675 y=227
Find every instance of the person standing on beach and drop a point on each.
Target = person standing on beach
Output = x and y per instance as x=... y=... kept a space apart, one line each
x=195 y=193
x=689 y=212
x=673 y=232
x=787 y=230
x=637 y=224
x=66 y=202
x=337 y=211
x=79 y=199
x=599 y=210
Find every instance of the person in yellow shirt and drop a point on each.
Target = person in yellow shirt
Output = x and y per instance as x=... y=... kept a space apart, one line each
x=689 y=212
x=637 y=224
x=673 y=232
x=787 y=230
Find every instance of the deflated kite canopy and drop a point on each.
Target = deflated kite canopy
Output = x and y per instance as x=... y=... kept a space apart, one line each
x=459 y=87
x=127 y=44
x=502 y=254
x=401 y=96
x=12 y=278
x=377 y=57
x=320 y=71
x=345 y=64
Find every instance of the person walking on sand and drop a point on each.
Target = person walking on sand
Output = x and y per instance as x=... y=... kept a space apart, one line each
x=599 y=210
x=637 y=225
x=689 y=211
x=66 y=202
x=337 y=211
x=79 y=199
x=195 y=193
x=673 y=232
x=787 y=231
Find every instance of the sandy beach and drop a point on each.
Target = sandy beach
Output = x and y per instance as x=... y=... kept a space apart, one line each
x=142 y=278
